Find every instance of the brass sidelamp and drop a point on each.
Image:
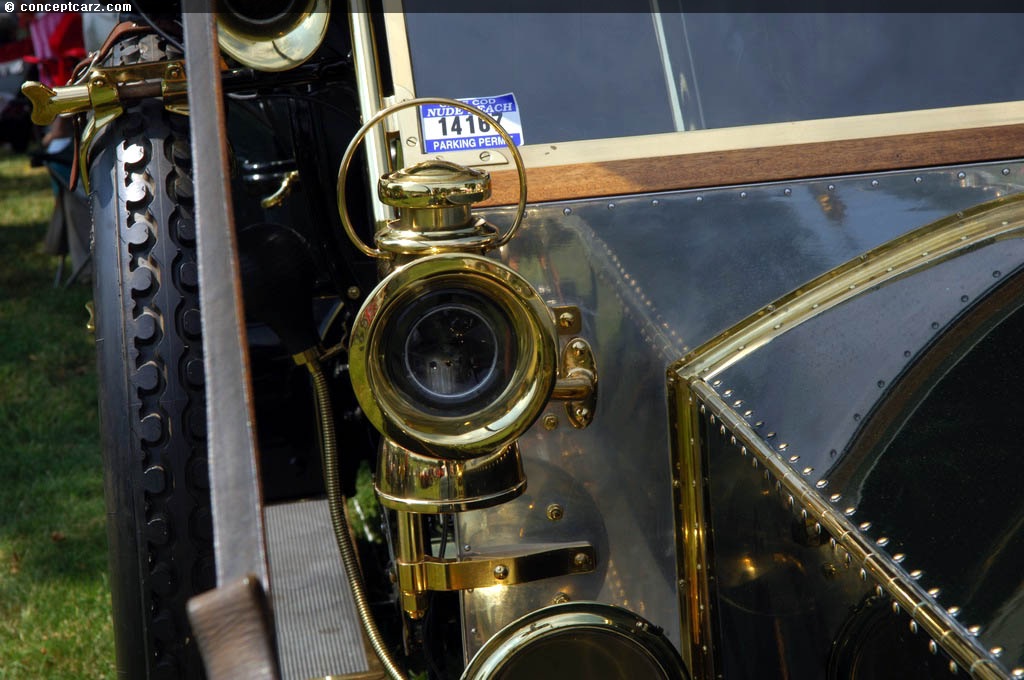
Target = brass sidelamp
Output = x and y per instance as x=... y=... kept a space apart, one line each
x=453 y=356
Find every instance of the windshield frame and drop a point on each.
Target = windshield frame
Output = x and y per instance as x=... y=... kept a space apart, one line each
x=721 y=156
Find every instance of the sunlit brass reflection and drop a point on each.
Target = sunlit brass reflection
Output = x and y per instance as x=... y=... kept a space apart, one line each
x=425 y=484
x=502 y=395
x=272 y=40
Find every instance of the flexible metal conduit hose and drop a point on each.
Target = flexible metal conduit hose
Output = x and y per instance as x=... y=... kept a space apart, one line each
x=335 y=502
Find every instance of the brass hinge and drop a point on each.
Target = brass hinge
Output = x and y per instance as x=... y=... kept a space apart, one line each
x=104 y=92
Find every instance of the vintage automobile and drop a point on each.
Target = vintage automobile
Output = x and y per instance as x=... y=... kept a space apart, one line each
x=644 y=344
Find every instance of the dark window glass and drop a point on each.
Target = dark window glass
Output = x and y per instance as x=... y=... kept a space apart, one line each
x=591 y=76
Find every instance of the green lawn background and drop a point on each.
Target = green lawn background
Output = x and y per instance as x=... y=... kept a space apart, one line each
x=54 y=593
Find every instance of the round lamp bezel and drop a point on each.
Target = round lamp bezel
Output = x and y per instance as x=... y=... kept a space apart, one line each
x=269 y=48
x=573 y=621
x=505 y=416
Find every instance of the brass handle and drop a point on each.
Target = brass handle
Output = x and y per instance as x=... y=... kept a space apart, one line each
x=48 y=103
x=577 y=383
x=277 y=198
x=346 y=160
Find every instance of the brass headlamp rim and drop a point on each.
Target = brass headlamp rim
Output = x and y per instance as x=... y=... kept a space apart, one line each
x=277 y=52
x=495 y=424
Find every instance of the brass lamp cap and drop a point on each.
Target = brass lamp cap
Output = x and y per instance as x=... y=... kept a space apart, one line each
x=434 y=184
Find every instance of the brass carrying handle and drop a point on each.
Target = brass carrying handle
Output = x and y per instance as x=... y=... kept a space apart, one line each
x=346 y=160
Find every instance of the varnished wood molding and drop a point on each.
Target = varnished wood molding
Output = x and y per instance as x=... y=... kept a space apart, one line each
x=764 y=164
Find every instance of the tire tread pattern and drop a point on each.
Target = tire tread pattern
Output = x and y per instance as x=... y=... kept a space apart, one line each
x=156 y=281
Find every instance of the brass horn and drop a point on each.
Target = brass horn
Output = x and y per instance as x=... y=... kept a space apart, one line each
x=271 y=35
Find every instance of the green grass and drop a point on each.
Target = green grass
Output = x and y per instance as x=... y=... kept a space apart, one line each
x=54 y=593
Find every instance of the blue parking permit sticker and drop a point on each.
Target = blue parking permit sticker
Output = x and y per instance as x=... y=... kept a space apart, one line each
x=447 y=128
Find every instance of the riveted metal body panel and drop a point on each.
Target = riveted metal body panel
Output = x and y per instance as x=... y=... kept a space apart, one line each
x=918 y=465
x=653 y=277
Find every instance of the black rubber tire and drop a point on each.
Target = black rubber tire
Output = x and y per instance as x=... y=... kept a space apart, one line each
x=152 y=404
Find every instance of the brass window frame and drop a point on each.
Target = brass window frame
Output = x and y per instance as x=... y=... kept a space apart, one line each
x=721 y=156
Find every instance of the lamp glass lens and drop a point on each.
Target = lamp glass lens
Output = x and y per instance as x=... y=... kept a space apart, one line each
x=450 y=352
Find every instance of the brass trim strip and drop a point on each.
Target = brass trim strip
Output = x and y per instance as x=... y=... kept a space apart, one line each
x=691 y=537
x=911 y=597
x=919 y=249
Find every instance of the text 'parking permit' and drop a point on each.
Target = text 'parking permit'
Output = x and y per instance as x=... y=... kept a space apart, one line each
x=447 y=128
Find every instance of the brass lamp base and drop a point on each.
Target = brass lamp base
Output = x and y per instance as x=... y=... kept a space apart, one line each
x=414 y=483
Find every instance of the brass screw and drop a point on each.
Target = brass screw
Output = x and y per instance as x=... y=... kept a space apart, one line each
x=555 y=512
x=583 y=413
x=485 y=156
x=829 y=570
x=501 y=572
x=550 y=421
x=566 y=319
x=560 y=598
x=353 y=292
x=410 y=141
x=99 y=82
x=582 y=561
x=578 y=347
x=174 y=73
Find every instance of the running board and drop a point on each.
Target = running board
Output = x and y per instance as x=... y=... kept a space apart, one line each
x=318 y=629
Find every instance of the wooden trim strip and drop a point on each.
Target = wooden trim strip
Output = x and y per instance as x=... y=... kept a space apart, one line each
x=764 y=164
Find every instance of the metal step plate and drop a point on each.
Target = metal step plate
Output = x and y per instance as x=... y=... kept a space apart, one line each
x=318 y=631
